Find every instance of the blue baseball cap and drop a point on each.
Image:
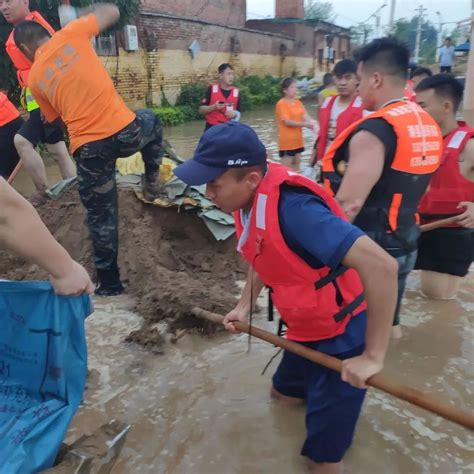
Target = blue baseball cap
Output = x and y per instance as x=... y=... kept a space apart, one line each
x=222 y=147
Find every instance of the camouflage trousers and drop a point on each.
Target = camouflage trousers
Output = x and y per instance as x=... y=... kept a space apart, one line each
x=97 y=185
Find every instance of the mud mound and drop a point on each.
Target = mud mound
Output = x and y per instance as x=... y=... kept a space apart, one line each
x=169 y=261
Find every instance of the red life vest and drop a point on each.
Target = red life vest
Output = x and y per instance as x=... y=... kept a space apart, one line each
x=218 y=116
x=21 y=62
x=8 y=112
x=389 y=215
x=353 y=113
x=315 y=304
x=449 y=187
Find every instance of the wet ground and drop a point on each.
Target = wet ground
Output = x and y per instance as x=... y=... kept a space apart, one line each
x=203 y=407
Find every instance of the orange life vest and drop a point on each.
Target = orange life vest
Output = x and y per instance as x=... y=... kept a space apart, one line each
x=316 y=304
x=351 y=114
x=389 y=213
x=449 y=187
x=8 y=112
x=21 y=62
x=218 y=116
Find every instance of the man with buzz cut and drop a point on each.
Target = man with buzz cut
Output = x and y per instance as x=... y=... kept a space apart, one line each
x=69 y=81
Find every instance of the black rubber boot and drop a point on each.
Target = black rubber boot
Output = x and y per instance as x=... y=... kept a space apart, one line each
x=152 y=186
x=108 y=283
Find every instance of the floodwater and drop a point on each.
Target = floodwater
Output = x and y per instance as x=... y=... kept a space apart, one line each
x=202 y=407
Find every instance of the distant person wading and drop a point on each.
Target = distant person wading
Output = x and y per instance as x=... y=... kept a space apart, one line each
x=221 y=103
x=291 y=117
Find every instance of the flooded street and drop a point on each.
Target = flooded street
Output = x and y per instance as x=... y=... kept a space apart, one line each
x=203 y=407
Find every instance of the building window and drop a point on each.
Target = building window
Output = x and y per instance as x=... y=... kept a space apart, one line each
x=106 y=45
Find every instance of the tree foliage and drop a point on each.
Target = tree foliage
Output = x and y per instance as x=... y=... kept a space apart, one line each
x=49 y=9
x=322 y=11
x=405 y=30
x=361 y=33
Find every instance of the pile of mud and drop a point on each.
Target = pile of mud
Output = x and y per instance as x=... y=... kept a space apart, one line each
x=169 y=261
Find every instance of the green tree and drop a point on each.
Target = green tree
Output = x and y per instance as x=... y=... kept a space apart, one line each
x=405 y=30
x=361 y=33
x=49 y=9
x=322 y=11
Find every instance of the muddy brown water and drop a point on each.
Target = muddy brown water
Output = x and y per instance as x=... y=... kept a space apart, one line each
x=203 y=407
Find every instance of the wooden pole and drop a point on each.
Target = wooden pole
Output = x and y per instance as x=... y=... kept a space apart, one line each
x=438 y=224
x=469 y=88
x=14 y=173
x=379 y=381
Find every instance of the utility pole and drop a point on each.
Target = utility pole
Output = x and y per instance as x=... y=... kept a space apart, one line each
x=440 y=32
x=421 y=11
x=391 y=23
x=469 y=89
x=377 y=25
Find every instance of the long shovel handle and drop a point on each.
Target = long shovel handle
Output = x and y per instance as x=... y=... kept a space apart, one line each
x=379 y=381
x=14 y=173
x=438 y=224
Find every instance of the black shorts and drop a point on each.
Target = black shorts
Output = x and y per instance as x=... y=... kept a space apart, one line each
x=291 y=152
x=36 y=131
x=446 y=69
x=446 y=250
x=8 y=155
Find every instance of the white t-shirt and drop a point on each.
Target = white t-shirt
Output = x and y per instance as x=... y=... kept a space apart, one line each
x=337 y=110
x=446 y=56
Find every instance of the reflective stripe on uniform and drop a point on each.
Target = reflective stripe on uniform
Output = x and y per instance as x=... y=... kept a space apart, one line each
x=31 y=103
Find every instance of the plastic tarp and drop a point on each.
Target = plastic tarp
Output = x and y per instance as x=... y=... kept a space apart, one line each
x=43 y=371
x=178 y=194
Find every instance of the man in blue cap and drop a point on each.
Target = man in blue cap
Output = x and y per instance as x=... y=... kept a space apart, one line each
x=334 y=287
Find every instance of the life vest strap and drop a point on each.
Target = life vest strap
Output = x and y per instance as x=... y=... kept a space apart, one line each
x=330 y=277
x=271 y=316
x=338 y=317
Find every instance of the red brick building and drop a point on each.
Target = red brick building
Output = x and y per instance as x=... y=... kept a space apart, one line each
x=186 y=40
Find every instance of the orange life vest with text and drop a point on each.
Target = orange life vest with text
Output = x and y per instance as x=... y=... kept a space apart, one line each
x=389 y=215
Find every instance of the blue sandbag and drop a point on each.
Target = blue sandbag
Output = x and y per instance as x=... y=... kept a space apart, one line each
x=43 y=371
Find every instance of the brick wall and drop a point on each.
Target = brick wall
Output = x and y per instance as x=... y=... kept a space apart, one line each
x=164 y=64
x=228 y=13
x=289 y=9
x=129 y=74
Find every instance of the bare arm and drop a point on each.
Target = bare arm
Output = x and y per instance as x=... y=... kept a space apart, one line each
x=207 y=109
x=378 y=272
x=252 y=289
x=466 y=219
x=292 y=123
x=467 y=160
x=366 y=162
x=107 y=14
x=23 y=232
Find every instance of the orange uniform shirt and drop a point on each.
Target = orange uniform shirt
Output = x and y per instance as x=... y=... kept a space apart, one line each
x=290 y=138
x=68 y=80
